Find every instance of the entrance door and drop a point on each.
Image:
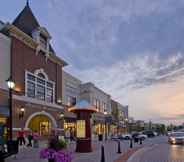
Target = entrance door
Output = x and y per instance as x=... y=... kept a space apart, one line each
x=45 y=127
x=40 y=124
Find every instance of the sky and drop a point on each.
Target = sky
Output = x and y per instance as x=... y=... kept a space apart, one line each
x=132 y=49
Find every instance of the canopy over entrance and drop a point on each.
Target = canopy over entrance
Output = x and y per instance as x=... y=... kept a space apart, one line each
x=83 y=105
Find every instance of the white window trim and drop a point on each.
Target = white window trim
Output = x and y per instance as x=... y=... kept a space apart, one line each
x=46 y=80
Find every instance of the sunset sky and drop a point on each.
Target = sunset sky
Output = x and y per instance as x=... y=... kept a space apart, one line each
x=132 y=49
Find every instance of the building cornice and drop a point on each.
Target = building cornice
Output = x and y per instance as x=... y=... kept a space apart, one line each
x=29 y=41
x=38 y=102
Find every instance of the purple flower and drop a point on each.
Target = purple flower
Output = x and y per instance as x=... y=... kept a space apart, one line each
x=47 y=153
x=58 y=156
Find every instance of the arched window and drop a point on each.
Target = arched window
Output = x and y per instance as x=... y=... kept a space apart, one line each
x=39 y=86
x=41 y=75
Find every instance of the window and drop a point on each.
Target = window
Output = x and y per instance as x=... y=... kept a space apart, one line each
x=30 y=89
x=95 y=102
x=104 y=107
x=38 y=87
x=40 y=92
x=43 y=41
x=71 y=101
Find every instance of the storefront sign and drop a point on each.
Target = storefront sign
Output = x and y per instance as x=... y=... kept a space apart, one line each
x=81 y=129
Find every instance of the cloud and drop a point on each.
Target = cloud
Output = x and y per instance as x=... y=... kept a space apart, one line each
x=148 y=84
x=98 y=32
x=131 y=49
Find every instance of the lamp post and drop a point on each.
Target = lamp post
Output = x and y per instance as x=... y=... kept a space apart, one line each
x=105 y=113
x=127 y=125
x=62 y=121
x=11 y=85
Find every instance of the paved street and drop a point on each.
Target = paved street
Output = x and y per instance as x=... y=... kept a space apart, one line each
x=111 y=148
x=160 y=151
x=154 y=150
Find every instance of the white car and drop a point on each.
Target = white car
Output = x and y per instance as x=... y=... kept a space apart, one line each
x=176 y=138
x=126 y=136
x=142 y=136
x=155 y=133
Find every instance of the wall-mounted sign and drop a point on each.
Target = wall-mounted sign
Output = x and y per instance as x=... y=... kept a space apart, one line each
x=81 y=129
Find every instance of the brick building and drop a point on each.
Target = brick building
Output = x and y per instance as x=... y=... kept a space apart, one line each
x=37 y=73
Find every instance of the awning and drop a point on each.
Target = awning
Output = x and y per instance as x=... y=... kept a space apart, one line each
x=4 y=110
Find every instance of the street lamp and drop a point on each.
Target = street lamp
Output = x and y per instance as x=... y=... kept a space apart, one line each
x=11 y=86
x=61 y=115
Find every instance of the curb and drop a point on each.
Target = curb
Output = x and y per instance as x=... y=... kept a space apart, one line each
x=128 y=154
x=136 y=154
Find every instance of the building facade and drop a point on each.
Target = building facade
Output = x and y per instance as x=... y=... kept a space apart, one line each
x=71 y=93
x=5 y=43
x=120 y=113
x=37 y=72
x=71 y=89
x=102 y=102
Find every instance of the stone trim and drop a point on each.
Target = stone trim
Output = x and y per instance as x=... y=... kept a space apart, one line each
x=41 y=113
x=35 y=101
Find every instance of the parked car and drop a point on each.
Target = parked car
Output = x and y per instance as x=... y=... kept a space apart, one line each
x=126 y=136
x=155 y=133
x=149 y=133
x=142 y=136
x=176 y=138
x=114 y=137
x=135 y=136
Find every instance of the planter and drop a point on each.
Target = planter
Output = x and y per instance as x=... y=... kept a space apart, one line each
x=51 y=160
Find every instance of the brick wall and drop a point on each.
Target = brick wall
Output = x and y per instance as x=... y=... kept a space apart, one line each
x=25 y=58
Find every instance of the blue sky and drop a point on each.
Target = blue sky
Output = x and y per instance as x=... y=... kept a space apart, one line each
x=131 y=49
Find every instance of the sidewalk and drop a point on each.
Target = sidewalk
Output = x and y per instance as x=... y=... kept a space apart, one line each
x=111 y=148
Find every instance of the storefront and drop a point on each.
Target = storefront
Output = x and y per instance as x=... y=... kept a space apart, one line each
x=70 y=123
x=99 y=126
x=4 y=113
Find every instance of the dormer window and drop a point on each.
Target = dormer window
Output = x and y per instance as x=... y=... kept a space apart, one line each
x=42 y=37
x=43 y=41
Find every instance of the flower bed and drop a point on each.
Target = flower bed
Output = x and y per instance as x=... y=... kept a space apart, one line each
x=56 y=156
x=56 y=151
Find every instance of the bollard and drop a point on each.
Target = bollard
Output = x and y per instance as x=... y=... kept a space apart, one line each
x=119 y=147
x=131 y=143
x=140 y=141
x=102 y=154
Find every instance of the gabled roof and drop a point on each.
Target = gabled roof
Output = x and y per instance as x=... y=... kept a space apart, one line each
x=26 y=21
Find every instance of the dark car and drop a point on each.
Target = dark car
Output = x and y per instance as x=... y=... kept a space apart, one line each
x=150 y=134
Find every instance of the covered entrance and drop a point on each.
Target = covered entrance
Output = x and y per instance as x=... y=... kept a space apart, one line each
x=42 y=123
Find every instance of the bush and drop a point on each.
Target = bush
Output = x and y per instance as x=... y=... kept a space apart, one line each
x=57 y=144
